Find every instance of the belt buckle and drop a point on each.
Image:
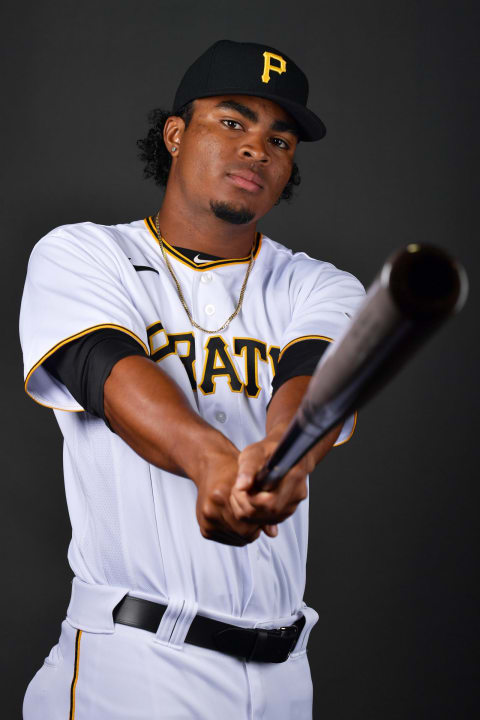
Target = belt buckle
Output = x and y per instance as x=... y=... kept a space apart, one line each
x=292 y=633
x=265 y=651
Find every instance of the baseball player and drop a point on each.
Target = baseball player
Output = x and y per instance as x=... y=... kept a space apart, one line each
x=174 y=352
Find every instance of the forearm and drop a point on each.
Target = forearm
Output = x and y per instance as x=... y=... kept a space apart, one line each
x=283 y=407
x=276 y=505
x=148 y=410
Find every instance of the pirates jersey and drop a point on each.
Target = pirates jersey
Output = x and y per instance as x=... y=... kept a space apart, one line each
x=134 y=525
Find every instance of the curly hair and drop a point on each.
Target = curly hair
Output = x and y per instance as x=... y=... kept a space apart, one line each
x=158 y=160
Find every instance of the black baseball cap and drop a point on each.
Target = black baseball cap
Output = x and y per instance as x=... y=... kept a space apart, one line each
x=251 y=69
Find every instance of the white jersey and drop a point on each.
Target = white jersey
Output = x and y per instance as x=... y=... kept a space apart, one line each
x=134 y=525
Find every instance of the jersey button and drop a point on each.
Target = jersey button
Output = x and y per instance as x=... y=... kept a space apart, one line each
x=206 y=277
x=220 y=416
x=210 y=309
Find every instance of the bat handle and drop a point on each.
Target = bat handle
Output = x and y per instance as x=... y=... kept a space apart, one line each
x=265 y=479
x=296 y=442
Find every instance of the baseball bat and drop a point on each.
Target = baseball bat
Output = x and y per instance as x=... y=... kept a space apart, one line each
x=417 y=289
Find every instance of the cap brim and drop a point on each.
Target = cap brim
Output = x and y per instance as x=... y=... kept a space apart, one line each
x=310 y=126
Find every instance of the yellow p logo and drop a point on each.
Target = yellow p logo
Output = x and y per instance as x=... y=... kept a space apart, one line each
x=268 y=67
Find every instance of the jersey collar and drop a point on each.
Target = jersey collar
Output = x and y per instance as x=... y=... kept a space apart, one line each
x=190 y=262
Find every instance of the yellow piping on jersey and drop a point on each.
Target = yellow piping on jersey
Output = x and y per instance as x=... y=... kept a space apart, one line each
x=355 y=416
x=149 y=222
x=75 y=675
x=305 y=337
x=65 y=342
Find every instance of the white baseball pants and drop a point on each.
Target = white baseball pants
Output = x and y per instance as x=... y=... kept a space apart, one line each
x=125 y=674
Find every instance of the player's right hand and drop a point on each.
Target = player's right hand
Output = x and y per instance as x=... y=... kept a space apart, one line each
x=215 y=480
x=272 y=506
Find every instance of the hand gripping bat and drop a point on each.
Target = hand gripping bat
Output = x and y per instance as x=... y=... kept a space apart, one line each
x=417 y=289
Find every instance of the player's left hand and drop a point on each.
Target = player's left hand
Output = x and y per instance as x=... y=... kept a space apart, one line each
x=272 y=507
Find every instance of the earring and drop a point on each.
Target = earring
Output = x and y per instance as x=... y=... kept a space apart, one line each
x=174 y=149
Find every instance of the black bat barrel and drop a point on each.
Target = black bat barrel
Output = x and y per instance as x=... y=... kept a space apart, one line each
x=417 y=289
x=425 y=282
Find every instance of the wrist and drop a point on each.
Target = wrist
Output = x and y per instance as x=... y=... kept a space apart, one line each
x=207 y=451
x=275 y=433
x=274 y=437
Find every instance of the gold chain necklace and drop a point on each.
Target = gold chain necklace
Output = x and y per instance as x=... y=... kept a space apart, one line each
x=180 y=293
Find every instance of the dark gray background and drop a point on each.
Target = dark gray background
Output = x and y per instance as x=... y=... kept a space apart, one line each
x=394 y=539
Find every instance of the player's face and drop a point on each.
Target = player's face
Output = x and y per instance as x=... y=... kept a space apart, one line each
x=237 y=152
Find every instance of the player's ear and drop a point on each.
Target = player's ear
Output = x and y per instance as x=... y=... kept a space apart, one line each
x=173 y=133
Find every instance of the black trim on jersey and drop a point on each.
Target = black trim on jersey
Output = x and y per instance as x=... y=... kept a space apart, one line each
x=84 y=365
x=301 y=358
x=187 y=256
x=192 y=254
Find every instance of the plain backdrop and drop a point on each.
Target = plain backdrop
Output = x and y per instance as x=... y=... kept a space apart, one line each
x=393 y=563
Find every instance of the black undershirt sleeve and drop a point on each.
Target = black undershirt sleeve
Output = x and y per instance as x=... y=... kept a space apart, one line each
x=84 y=365
x=301 y=358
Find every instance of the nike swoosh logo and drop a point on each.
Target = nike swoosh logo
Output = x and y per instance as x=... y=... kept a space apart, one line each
x=141 y=268
x=198 y=259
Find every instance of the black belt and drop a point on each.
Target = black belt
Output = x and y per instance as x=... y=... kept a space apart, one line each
x=254 y=644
